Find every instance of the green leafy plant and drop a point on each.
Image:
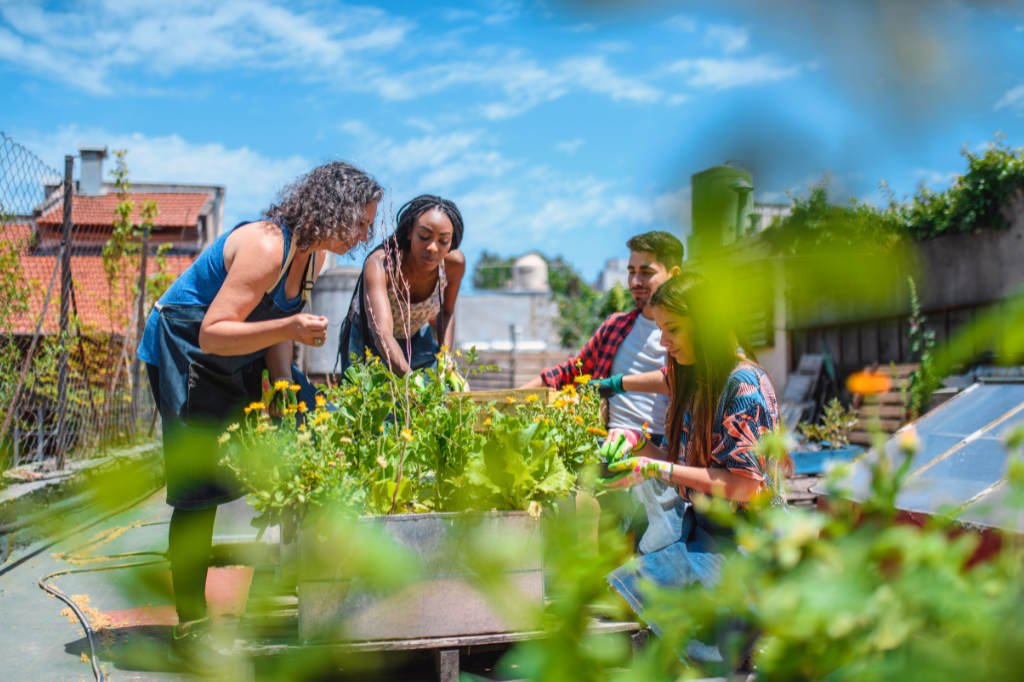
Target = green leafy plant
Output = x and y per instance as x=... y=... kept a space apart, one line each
x=391 y=444
x=924 y=380
x=836 y=424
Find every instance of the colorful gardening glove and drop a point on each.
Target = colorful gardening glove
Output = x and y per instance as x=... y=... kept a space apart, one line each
x=609 y=386
x=279 y=397
x=639 y=469
x=621 y=442
x=448 y=372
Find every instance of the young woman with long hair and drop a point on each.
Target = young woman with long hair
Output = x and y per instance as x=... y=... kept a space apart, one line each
x=722 y=404
x=410 y=279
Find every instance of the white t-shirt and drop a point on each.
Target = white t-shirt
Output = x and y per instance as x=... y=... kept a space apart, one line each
x=640 y=352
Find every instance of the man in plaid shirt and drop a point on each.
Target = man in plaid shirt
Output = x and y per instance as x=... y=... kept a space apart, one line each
x=626 y=346
x=654 y=258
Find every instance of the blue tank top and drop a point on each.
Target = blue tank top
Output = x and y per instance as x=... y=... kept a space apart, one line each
x=199 y=284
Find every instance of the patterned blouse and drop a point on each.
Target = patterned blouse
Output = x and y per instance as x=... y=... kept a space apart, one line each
x=747 y=411
x=416 y=314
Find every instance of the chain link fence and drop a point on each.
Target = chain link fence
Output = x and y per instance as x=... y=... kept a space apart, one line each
x=70 y=317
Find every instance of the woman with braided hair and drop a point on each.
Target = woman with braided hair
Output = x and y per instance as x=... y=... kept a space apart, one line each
x=410 y=279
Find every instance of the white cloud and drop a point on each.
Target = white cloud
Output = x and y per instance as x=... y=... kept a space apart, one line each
x=86 y=45
x=570 y=146
x=936 y=179
x=681 y=22
x=252 y=180
x=1012 y=99
x=729 y=39
x=723 y=74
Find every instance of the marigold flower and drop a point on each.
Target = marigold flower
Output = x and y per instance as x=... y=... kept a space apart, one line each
x=595 y=431
x=582 y=379
x=458 y=353
x=487 y=422
x=381 y=427
x=531 y=398
x=579 y=420
x=321 y=401
x=280 y=385
x=302 y=427
x=510 y=400
x=255 y=406
x=569 y=391
x=536 y=419
x=302 y=406
x=407 y=434
x=559 y=403
x=867 y=383
x=295 y=388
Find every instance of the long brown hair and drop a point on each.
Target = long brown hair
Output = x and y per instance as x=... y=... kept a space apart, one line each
x=698 y=387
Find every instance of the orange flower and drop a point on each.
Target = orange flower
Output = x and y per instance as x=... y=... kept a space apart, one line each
x=579 y=420
x=510 y=400
x=867 y=383
x=596 y=431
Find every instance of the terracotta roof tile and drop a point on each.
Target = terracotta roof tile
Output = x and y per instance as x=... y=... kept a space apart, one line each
x=176 y=210
x=102 y=308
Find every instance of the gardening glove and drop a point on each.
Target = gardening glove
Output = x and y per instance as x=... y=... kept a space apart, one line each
x=637 y=470
x=279 y=397
x=448 y=372
x=609 y=386
x=620 y=443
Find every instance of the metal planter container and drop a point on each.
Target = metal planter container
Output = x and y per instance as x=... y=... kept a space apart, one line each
x=435 y=585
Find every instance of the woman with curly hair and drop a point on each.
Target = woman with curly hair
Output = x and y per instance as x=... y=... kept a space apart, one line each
x=722 y=404
x=410 y=279
x=236 y=311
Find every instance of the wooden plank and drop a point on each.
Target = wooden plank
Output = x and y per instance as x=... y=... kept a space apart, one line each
x=860 y=437
x=446 y=664
x=887 y=425
x=881 y=410
x=887 y=398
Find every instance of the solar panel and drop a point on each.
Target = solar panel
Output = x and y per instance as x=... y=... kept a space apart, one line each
x=993 y=510
x=961 y=455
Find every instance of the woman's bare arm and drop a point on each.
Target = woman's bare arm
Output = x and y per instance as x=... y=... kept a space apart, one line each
x=708 y=480
x=252 y=257
x=455 y=268
x=378 y=308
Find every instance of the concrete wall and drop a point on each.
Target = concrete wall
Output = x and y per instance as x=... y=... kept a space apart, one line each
x=331 y=298
x=485 y=318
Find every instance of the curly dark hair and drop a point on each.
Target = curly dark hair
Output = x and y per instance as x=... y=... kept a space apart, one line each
x=412 y=210
x=329 y=200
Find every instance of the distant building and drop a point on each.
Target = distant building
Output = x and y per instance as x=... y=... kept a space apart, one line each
x=616 y=271
x=190 y=218
x=764 y=214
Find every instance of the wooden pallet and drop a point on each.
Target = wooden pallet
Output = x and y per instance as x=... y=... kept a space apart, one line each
x=270 y=629
x=886 y=408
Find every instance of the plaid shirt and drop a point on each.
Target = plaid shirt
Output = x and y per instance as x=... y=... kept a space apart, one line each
x=597 y=353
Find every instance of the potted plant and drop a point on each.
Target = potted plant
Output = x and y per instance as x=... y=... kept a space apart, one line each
x=827 y=443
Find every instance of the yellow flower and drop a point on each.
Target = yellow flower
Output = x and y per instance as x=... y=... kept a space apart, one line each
x=569 y=391
x=487 y=422
x=510 y=400
x=579 y=420
x=458 y=353
x=531 y=398
x=407 y=434
x=321 y=401
x=381 y=427
x=280 y=385
x=255 y=406
x=302 y=427
x=302 y=406
x=295 y=388
x=582 y=379
x=536 y=419
x=559 y=403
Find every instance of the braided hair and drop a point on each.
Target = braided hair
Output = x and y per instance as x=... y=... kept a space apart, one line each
x=412 y=210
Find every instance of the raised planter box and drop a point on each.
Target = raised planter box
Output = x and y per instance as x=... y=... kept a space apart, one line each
x=442 y=596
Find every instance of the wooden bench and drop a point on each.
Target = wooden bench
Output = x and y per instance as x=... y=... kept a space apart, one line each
x=269 y=629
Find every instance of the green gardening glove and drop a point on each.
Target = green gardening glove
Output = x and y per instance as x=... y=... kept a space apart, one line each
x=609 y=386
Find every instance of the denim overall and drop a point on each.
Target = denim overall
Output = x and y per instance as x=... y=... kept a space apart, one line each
x=200 y=394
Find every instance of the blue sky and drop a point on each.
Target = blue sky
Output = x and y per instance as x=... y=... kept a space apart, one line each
x=563 y=127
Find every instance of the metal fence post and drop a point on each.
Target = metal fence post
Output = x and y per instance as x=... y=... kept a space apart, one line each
x=140 y=328
x=65 y=308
